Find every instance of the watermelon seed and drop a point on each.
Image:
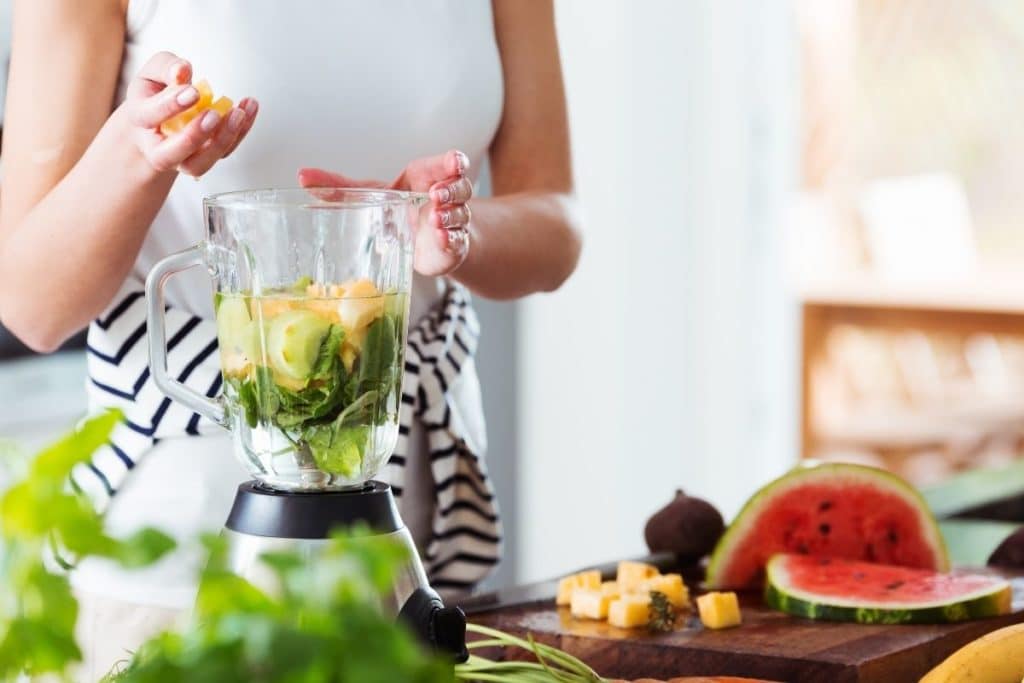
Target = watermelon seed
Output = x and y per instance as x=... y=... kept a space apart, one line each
x=858 y=576
x=824 y=505
x=894 y=585
x=871 y=552
x=893 y=536
x=802 y=549
x=824 y=529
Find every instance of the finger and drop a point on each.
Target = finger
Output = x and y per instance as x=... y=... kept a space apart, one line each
x=421 y=174
x=317 y=177
x=162 y=69
x=250 y=107
x=451 y=216
x=455 y=242
x=172 y=151
x=222 y=140
x=151 y=111
x=458 y=191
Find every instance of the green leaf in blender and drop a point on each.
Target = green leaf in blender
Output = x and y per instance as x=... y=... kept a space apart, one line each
x=301 y=284
x=327 y=359
x=380 y=353
x=293 y=342
x=337 y=449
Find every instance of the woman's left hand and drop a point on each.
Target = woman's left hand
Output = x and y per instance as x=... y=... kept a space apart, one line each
x=442 y=241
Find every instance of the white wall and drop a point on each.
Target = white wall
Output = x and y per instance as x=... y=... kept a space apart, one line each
x=669 y=359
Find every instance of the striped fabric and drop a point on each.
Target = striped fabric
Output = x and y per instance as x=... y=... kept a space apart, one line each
x=466 y=530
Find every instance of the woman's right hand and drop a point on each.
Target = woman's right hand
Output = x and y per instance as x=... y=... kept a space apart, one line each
x=163 y=89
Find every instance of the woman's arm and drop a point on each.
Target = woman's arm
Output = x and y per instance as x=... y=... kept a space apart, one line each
x=526 y=238
x=81 y=185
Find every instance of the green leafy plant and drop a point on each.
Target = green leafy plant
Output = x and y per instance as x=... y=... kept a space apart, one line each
x=42 y=513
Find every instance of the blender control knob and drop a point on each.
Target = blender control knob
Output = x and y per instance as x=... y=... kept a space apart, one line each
x=450 y=632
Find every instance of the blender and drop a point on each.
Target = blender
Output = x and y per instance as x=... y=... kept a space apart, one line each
x=311 y=298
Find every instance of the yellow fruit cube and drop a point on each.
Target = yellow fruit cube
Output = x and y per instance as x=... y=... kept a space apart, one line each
x=589 y=603
x=361 y=305
x=611 y=589
x=629 y=611
x=589 y=579
x=671 y=585
x=269 y=307
x=631 y=574
x=719 y=610
x=205 y=101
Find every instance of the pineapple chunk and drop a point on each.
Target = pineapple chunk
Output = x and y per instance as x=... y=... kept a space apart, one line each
x=361 y=305
x=589 y=579
x=176 y=123
x=269 y=307
x=589 y=603
x=631 y=574
x=671 y=585
x=629 y=611
x=235 y=364
x=719 y=610
x=611 y=589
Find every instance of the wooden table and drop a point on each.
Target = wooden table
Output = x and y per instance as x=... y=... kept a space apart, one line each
x=768 y=645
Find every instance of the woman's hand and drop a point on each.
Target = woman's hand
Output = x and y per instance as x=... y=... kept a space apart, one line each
x=442 y=241
x=163 y=89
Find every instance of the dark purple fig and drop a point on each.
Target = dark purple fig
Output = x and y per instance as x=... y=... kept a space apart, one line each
x=688 y=527
x=1010 y=553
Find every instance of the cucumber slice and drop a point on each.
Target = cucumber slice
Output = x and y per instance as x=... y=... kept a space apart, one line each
x=293 y=342
x=232 y=323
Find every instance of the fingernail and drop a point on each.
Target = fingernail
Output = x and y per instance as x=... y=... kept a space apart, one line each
x=235 y=120
x=250 y=107
x=463 y=161
x=445 y=217
x=210 y=121
x=443 y=195
x=187 y=96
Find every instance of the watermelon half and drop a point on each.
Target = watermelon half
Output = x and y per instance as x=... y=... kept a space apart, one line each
x=847 y=590
x=835 y=510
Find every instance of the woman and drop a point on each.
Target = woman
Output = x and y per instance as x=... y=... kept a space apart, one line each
x=375 y=90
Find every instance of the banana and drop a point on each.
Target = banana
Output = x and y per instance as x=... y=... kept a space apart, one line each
x=997 y=657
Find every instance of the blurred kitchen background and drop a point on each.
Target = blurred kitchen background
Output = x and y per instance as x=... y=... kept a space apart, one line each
x=804 y=238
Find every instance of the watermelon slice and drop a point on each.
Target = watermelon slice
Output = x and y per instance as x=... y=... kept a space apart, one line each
x=835 y=510
x=847 y=590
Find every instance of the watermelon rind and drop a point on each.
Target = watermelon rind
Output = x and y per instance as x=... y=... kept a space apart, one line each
x=991 y=601
x=731 y=542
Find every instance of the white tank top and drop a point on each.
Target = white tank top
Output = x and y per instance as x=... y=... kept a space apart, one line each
x=361 y=87
x=357 y=86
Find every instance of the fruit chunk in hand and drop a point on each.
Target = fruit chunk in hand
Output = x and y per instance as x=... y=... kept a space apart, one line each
x=176 y=123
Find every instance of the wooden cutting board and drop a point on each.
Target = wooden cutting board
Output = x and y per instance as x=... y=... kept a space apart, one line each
x=768 y=645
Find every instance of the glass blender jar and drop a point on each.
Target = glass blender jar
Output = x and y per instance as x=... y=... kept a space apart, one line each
x=311 y=296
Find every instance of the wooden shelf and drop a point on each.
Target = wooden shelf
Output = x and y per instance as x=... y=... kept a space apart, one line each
x=984 y=292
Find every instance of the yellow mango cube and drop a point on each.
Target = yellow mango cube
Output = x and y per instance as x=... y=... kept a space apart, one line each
x=176 y=123
x=671 y=585
x=631 y=574
x=589 y=603
x=269 y=307
x=589 y=579
x=719 y=610
x=611 y=589
x=361 y=304
x=629 y=611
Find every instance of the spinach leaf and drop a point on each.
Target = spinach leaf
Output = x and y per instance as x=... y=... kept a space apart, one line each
x=380 y=354
x=337 y=448
x=327 y=358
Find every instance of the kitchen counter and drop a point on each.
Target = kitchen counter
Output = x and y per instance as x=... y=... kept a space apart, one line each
x=769 y=644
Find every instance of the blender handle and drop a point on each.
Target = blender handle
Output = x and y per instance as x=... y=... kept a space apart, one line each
x=212 y=409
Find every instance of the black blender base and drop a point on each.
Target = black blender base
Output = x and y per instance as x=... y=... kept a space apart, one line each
x=263 y=519
x=261 y=511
